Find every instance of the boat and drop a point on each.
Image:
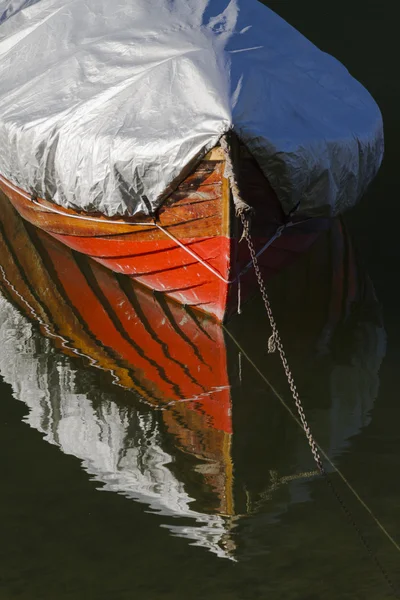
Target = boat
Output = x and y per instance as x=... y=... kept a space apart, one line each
x=180 y=123
x=158 y=402
x=192 y=253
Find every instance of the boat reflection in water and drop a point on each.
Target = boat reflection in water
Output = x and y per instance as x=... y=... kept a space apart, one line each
x=171 y=414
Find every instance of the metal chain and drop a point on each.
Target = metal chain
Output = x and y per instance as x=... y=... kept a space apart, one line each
x=274 y=343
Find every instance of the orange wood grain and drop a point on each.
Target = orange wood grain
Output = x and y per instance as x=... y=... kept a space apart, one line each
x=194 y=209
x=199 y=214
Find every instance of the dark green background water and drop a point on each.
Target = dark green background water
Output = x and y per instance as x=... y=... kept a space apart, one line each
x=61 y=538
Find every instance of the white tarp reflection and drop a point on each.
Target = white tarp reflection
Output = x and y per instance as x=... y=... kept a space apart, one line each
x=98 y=436
x=122 y=447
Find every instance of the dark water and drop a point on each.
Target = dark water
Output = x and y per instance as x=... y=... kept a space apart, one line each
x=200 y=483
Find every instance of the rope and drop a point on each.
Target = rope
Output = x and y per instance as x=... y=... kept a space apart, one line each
x=322 y=451
x=87 y=218
x=244 y=212
x=65 y=343
x=146 y=224
x=272 y=239
x=195 y=255
x=240 y=205
x=328 y=460
x=275 y=343
x=153 y=223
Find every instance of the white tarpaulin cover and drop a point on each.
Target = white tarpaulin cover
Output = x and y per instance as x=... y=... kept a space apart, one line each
x=104 y=102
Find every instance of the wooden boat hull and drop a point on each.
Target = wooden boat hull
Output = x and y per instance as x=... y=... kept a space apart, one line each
x=181 y=365
x=191 y=252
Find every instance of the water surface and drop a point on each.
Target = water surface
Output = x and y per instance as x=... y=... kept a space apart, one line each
x=145 y=457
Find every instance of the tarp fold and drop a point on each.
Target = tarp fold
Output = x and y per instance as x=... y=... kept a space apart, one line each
x=103 y=104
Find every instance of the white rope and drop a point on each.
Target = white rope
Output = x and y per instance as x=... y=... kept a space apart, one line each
x=149 y=224
x=239 y=298
x=65 y=343
x=321 y=449
x=193 y=254
x=93 y=219
x=56 y=211
x=276 y=235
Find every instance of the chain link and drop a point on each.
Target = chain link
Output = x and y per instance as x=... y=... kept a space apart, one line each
x=275 y=343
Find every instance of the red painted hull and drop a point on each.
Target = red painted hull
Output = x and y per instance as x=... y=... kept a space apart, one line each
x=176 y=360
x=165 y=267
x=193 y=254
